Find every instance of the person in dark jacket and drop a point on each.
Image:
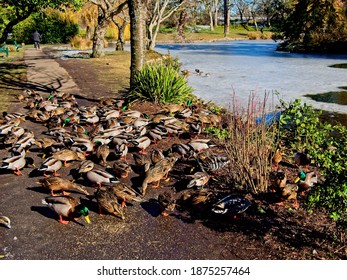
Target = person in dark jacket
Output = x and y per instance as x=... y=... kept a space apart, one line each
x=37 y=39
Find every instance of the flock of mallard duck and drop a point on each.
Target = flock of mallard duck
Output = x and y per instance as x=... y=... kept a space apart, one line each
x=109 y=142
x=288 y=191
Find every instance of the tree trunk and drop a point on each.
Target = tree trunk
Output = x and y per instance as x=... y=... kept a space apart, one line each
x=210 y=13
x=152 y=42
x=181 y=24
x=137 y=13
x=216 y=2
x=226 y=17
x=150 y=34
x=211 y=21
x=99 y=36
x=120 y=39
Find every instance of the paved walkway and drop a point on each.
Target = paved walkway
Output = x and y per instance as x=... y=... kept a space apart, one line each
x=45 y=74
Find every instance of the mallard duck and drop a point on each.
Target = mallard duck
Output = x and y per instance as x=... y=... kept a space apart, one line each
x=17 y=131
x=302 y=159
x=10 y=139
x=94 y=175
x=25 y=142
x=200 y=144
x=14 y=115
x=89 y=118
x=121 y=168
x=110 y=114
x=172 y=108
x=121 y=151
x=184 y=150
x=185 y=72
x=276 y=159
x=141 y=122
x=305 y=181
x=158 y=172
x=156 y=155
x=5 y=221
x=194 y=130
x=197 y=201
x=16 y=163
x=158 y=133
x=172 y=129
x=157 y=118
x=198 y=179
x=141 y=143
x=102 y=152
x=66 y=206
x=212 y=163
x=114 y=131
x=68 y=155
x=142 y=162
x=185 y=113
x=132 y=113
x=284 y=190
x=108 y=202
x=6 y=128
x=231 y=204
x=82 y=145
x=167 y=203
x=60 y=184
x=50 y=165
x=44 y=142
x=125 y=193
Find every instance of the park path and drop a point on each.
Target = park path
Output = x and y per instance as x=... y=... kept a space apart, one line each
x=45 y=74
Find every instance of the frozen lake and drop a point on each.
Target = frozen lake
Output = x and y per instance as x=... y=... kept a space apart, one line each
x=244 y=67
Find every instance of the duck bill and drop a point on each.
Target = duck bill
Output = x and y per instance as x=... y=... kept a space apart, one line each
x=297 y=179
x=87 y=219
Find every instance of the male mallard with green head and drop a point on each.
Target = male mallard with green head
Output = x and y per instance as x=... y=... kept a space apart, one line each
x=68 y=207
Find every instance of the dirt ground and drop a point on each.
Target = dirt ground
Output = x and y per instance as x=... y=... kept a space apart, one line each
x=265 y=231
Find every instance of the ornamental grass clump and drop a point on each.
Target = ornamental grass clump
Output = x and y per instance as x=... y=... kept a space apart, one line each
x=160 y=83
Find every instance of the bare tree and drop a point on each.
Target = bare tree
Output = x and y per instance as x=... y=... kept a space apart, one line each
x=215 y=5
x=121 y=21
x=138 y=14
x=107 y=9
x=182 y=22
x=88 y=18
x=242 y=7
x=160 y=12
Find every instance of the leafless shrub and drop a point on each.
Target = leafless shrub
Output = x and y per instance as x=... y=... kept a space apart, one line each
x=252 y=140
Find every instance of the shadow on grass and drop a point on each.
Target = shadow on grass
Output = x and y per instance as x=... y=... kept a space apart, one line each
x=13 y=77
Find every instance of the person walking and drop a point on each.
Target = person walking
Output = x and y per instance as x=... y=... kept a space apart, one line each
x=37 y=38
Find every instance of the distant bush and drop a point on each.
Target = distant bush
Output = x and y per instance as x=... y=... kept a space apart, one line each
x=54 y=26
x=253 y=35
x=81 y=43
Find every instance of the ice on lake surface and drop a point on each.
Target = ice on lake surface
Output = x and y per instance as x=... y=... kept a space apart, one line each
x=243 y=67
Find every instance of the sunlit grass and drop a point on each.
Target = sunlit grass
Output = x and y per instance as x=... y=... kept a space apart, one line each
x=10 y=72
x=236 y=32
